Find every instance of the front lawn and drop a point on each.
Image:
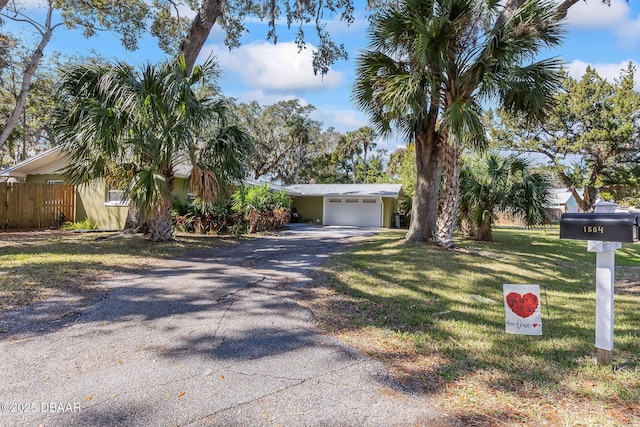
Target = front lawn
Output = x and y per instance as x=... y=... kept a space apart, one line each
x=436 y=318
x=34 y=264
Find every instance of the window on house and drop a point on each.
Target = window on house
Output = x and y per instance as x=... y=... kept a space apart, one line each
x=368 y=200
x=55 y=181
x=335 y=200
x=114 y=196
x=351 y=200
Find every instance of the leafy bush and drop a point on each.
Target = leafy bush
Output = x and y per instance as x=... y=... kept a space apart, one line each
x=263 y=209
x=252 y=209
x=281 y=216
x=184 y=223
x=204 y=217
x=79 y=225
x=247 y=199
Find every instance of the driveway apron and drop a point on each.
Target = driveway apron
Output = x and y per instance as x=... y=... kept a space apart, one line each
x=213 y=339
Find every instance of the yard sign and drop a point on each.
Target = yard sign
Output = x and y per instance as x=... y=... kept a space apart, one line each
x=522 y=309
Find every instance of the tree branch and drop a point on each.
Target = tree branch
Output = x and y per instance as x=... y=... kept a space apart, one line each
x=197 y=35
x=27 y=76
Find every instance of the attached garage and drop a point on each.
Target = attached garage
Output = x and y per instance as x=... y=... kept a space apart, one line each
x=356 y=211
x=360 y=205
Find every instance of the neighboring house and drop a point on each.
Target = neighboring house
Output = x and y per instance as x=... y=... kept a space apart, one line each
x=563 y=201
x=95 y=201
x=364 y=205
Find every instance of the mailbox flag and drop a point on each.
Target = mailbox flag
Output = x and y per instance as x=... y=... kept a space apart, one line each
x=522 y=309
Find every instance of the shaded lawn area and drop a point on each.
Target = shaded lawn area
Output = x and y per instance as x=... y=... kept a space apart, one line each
x=436 y=318
x=35 y=264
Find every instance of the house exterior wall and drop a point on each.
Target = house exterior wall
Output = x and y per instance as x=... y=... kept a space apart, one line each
x=42 y=179
x=180 y=189
x=91 y=198
x=309 y=208
x=390 y=207
x=90 y=203
x=572 y=205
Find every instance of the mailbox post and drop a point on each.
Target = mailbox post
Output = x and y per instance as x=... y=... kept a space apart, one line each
x=604 y=231
x=605 y=281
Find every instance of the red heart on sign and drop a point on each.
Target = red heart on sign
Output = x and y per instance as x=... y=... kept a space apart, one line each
x=522 y=305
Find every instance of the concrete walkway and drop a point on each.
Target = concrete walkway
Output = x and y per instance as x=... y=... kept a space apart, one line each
x=214 y=339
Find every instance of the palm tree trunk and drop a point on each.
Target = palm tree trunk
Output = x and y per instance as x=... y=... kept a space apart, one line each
x=353 y=167
x=365 y=163
x=425 y=198
x=160 y=226
x=135 y=221
x=450 y=195
x=483 y=231
x=298 y=162
x=200 y=28
x=467 y=227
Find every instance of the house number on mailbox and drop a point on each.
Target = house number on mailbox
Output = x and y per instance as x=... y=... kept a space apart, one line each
x=593 y=229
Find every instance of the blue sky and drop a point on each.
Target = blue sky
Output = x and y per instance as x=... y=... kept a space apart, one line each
x=605 y=37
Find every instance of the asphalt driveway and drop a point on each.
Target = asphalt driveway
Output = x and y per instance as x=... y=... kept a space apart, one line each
x=213 y=339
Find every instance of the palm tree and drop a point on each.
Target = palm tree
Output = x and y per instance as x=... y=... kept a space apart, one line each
x=133 y=129
x=364 y=139
x=349 y=146
x=491 y=183
x=429 y=66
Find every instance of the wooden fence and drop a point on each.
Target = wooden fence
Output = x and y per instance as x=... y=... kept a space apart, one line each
x=26 y=205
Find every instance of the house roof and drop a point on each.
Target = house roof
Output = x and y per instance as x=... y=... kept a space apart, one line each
x=256 y=183
x=47 y=162
x=560 y=196
x=52 y=161
x=386 y=190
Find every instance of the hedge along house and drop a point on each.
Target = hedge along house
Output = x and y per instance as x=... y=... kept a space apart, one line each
x=362 y=205
x=96 y=202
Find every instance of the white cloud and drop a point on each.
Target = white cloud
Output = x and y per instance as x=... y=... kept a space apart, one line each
x=596 y=15
x=263 y=98
x=186 y=12
x=340 y=120
x=617 y=18
x=608 y=71
x=270 y=67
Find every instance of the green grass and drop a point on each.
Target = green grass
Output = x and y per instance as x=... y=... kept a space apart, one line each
x=34 y=264
x=436 y=317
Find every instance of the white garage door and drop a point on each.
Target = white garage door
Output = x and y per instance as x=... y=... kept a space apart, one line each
x=357 y=211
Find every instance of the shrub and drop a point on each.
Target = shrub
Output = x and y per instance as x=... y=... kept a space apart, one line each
x=79 y=225
x=205 y=217
x=252 y=209
x=262 y=208
x=184 y=223
x=281 y=216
